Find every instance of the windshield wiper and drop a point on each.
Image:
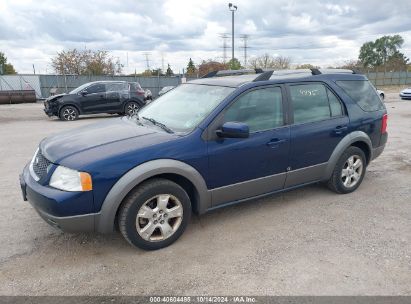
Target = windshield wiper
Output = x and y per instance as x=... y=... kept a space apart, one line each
x=159 y=124
x=137 y=118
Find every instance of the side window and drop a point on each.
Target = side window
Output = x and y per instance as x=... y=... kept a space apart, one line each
x=313 y=102
x=363 y=93
x=335 y=104
x=116 y=87
x=260 y=109
x=96 y=88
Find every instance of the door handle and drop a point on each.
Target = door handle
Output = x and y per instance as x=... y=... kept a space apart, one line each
x=273 y=143
x=340 y=129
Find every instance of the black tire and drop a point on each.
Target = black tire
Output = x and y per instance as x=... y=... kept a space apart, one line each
x=382 y=96
x=146 y=194
x=131 y=108
x=68 y=113
x=336 y=182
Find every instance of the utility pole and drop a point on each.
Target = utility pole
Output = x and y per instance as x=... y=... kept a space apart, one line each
x=232 y=8
x=162 y=62
x=245 y=46
x=147 y=56
x=224 y=36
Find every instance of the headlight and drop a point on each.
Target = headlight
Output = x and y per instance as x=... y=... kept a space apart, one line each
x=70 y=180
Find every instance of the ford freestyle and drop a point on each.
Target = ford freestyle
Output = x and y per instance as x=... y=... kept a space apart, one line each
x=215 y=141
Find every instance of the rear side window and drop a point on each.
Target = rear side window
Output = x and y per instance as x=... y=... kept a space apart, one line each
x=363 y=93
x=134 y=86
x=314 y=102
x=335 y=104
x=260 y=109
x=116 y=87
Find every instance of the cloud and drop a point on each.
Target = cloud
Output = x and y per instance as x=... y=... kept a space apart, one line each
x=321 y=32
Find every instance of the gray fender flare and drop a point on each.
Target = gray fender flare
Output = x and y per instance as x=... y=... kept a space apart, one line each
x=342 y=146
x=105 y=221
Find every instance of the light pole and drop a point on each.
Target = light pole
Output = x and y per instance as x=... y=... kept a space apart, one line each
x=232 y=8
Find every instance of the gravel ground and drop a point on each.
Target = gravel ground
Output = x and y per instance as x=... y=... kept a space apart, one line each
x=305 y=242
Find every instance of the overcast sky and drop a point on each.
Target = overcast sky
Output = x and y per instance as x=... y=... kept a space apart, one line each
x=318 y=32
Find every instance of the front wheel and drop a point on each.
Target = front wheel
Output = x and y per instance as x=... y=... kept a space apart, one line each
x=155 y=214
x=68 y=113
x=349 y=171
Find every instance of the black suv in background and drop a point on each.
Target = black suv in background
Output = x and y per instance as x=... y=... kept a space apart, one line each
x=111 y=97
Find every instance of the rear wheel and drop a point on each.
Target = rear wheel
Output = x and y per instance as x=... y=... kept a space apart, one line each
x=155 y=214
x=68 y=113
x=349 y=171
x=131 y=108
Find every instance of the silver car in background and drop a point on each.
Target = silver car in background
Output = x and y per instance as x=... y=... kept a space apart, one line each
x=406 y=93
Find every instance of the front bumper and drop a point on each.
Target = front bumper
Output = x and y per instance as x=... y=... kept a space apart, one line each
x=50 y=109
x=405 y=96
x=50 y=203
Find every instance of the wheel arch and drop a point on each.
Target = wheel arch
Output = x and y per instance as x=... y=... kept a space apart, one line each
x=358 y=139
x=179 y=172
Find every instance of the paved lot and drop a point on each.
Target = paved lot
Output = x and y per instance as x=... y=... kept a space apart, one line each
x=308 y=241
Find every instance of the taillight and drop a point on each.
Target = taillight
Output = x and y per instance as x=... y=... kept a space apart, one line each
x=384 y=124
x=140 y=92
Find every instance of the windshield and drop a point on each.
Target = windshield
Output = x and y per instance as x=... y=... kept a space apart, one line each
x=184 y=107
x=80 y=88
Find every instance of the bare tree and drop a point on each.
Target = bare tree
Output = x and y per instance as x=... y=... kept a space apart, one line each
x=266 y=61
x=210 y=66
x=85 y=62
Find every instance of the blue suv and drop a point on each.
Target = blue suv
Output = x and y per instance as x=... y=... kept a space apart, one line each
x=219 y=140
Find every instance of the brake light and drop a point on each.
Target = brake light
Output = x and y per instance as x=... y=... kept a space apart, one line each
x=140 y=92
x=384 y=124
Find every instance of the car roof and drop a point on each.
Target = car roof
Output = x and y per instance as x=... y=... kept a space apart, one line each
x=112 y=81
x=281 y=76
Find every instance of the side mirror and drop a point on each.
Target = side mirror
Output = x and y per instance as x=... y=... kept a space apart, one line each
x=84 y=93
x=234 y=129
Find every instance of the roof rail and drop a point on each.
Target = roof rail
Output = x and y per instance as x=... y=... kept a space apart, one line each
x=315 y=72
x=337 y=71
x=222 y=73
x=264 y=76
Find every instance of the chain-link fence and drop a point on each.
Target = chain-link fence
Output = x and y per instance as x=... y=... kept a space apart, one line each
x=44 y=85
x=389 y=78
x=20 y=83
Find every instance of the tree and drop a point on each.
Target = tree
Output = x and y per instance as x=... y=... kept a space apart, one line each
x=397 y=62
x=266 y=61
x=85 y=62
x=306 y=66
x=191 y=69
x=234 y=64
x=211 y=65
x=6 y=68
x=351 y=64
x=374 y=54
x=169 y=71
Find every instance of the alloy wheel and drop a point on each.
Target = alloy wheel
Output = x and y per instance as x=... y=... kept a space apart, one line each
x=69 y=114
x=352 y=171
x=159 y=217
x=132 y=109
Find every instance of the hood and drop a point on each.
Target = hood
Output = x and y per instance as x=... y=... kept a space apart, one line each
x=408 y=90
x=56 y=96
x=108 y=136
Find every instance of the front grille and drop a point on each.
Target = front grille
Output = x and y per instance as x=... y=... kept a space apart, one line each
x=40 y=164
